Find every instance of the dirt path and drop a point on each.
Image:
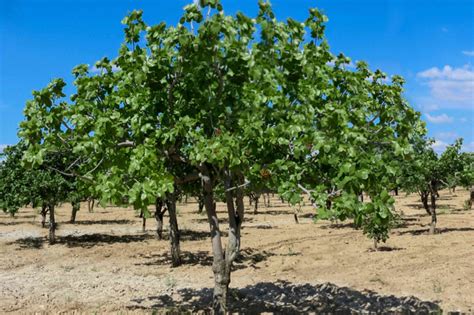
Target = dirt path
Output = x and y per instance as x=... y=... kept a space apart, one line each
x=104 y=263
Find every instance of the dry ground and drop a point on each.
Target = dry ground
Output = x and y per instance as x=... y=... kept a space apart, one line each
x=104 y=263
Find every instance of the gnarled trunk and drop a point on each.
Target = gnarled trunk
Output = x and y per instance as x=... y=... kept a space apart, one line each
x=76 y=206
x=52 y=225
x=174 y=231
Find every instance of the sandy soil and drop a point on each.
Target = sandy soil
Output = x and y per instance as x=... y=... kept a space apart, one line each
x=104 y=263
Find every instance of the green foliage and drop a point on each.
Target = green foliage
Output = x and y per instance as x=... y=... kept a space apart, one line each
x=22 y=185
x=262 y=99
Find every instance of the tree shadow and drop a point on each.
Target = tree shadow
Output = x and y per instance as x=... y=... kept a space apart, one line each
x=349 y=225
x=191 y=235
x=386 y=249
x=104 y=222
x=29 y=242
x=274 y=212
x=84 y=241
x=425 y=231
x=16 y=223
x=283 y=297
x=247 y=258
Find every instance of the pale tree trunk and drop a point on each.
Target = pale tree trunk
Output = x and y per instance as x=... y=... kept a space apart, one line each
x=76 y=206
x=174 y=231
x=44 y=212
x=219 y=302
x=434 y=220
x=52 y=225
x=159 y=212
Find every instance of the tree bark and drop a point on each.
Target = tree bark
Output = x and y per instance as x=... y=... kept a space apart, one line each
x=174 y=231
x=433 y=211
x=52 y=225
x=471 y=199
x=424 y=200
x=219 y=302
x=200 y=204
x=159 y=217
x=90 y=204
x=44 y=212
x=256 y=198
x=76 y=206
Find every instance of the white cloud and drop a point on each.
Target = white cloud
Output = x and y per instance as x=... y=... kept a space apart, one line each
x=440 y=119
x=447 y=136
x=469 y=53
x=450 y=87
x=94 y=69
x=2 y=147
x=439 y=146
x=465 y=73
x=468 y=147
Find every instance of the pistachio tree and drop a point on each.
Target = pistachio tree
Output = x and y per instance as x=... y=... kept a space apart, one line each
x=428 y=172
x=22 y=185
x=221 y=102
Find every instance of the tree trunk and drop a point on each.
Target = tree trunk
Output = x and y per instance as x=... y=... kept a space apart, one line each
x=159 y=218
x=471 y=199
x=396 y=191
x=424 y=200
x=52 y=225
x=76 y=206
x=433 y=212
x=143 y=224
x=256 y=198
x=235 y=213
x=44 y=212
x=201 y=204
x=174 y=231
x=90 y=204
x=219 y=302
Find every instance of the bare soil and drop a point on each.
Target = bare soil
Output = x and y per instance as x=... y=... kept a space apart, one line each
x=104 y=263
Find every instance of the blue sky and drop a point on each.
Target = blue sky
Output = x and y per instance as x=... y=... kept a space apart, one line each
x=429 y=42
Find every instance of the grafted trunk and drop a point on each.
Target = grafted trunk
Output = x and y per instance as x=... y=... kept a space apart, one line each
x=44 y=212
x=76 y=206
x=433 y=212
x=159 y=218
x=424 y=200
x=174 y=231
x=52 y=225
